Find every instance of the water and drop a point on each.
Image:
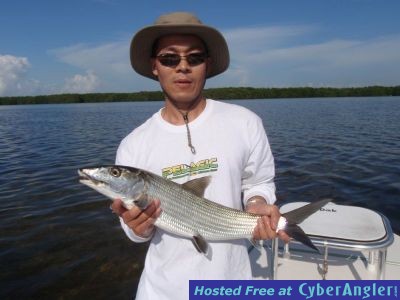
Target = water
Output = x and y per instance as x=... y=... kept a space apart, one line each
x=58 y=238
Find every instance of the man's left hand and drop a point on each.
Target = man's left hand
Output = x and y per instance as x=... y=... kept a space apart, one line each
x=267 y=224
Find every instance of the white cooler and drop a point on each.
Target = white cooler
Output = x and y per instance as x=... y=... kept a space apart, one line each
x=344 y=227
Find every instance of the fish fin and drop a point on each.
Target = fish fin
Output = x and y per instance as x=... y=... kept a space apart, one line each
x=200 y=244
x=142 y=201
x=298 y=234
x=198 y=185
x=298 y=215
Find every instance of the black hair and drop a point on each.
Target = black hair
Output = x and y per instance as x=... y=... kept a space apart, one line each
x=156 y=42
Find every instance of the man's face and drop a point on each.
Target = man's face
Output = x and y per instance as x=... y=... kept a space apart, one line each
x=184 y=82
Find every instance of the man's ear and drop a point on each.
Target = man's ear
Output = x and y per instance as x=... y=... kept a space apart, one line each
x=153 y=67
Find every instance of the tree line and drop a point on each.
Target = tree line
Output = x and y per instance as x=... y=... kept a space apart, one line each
x=227 y=93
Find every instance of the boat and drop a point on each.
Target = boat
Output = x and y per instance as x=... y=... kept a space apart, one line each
x=354 y=243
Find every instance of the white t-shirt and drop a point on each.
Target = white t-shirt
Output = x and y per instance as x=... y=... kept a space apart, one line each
x=232 y=147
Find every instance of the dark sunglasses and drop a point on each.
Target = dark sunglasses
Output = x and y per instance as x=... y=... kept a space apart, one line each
x=172 y=59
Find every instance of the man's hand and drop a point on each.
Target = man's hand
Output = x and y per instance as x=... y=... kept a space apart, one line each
x=140 y=221
x=267 y=224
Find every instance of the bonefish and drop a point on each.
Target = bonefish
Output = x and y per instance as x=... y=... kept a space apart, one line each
x=185 y=211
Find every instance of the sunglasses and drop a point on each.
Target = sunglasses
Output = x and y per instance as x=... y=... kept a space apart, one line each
x=172 y=60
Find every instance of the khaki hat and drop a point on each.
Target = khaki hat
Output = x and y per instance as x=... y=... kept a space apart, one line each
x=178 y=23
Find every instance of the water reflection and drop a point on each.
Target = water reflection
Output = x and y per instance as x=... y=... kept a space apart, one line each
x=59 y=239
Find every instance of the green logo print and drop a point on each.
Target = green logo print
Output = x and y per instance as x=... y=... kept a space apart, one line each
x=182 y=170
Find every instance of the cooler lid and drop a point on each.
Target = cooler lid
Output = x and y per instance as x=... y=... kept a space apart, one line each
x=342 y=222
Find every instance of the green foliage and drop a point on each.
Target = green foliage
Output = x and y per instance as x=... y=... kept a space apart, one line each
x=299 y=92
x=215 y=93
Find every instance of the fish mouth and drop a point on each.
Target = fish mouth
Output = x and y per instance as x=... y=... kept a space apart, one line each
x=87 y=179
x=83 y=175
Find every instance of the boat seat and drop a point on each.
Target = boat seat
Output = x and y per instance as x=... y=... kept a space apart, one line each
x=345 y=227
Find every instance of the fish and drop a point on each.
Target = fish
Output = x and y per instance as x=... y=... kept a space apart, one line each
x=184 y=210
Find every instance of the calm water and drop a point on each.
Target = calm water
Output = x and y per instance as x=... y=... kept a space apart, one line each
x=58 y=238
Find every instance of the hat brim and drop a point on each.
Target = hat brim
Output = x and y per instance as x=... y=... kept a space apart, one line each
x=142 y=44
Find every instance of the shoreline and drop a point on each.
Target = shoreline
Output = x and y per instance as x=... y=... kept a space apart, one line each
x=226 y=93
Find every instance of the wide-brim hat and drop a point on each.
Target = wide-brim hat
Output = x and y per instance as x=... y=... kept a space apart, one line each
x=178 y=23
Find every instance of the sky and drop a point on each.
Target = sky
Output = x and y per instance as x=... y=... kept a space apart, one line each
x=82 y=46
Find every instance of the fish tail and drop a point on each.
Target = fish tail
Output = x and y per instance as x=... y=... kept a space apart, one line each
x=298 y=234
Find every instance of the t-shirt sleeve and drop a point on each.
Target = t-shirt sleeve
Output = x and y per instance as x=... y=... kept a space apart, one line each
x=259 y=172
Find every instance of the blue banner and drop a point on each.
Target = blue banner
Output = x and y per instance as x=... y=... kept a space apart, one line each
x=299 y=289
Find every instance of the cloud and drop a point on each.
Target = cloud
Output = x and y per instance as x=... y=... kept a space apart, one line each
x=109 y=56
x=289 y=56
x=81 y=83
x=12 y=72
x=263 y=56
x=110 y=62
x=258 y=38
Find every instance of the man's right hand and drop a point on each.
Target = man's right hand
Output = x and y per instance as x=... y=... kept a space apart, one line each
x=140 y=221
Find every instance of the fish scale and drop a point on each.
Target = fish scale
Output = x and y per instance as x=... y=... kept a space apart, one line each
x=198 y=215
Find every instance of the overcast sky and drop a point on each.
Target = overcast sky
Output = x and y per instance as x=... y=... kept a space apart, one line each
x=82 y=46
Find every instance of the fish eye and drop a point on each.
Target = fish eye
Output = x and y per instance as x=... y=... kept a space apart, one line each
x=115 y=172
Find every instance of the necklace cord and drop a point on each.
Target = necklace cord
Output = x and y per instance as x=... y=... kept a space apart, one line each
x=189 y=137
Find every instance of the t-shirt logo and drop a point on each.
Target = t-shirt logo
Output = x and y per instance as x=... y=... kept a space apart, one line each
x=203 y=166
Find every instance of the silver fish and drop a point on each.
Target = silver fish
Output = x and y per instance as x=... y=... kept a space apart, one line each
x=185 y=211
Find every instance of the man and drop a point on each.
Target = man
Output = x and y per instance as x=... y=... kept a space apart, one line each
x=189 y=134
